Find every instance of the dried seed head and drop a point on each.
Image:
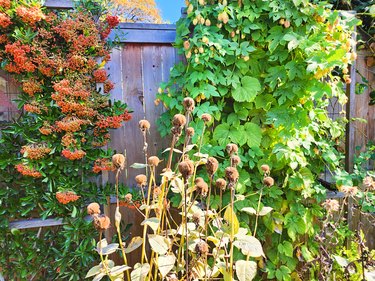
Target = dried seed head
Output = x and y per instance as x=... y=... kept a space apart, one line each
x=206 y=117
x=179 y=120
x=349 y=190
x=231 y=174
x=201 y=248
x=186 y=168
x=212 y=165
x=231 y=148
x=235 y=160
x=118 y=161
x=141 y=180
x=196 y=218
x=176 y=131
x=101 y=222
x=128 y=198
x=265 y=168
x=156 y=192
x=153 y=161
x=93 y=209
x=190 y=131
x=144 y=125
x=369 y=183
x=268 y=181
x=189 y=104
x=221 y=184
x=201 y=187
x=331 y=205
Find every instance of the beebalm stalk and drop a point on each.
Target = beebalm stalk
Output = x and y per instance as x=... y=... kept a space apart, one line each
x=258 y=210
x=147 y=211
x=101 y=256
x=118 y=222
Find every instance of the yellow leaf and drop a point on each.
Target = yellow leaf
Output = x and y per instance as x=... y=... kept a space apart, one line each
x=232 y=220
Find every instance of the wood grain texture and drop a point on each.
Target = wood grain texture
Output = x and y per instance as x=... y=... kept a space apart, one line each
x=59 y=4
x=35 y=223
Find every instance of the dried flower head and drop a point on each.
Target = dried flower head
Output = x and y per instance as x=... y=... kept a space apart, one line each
x=231 y=174
x=201 y=187
x=206 y=117
x=212 y=165
x=221 y=184
x=331 y=205
x=156 y=192
x=235 y=160
x=231 y=148
x=186 y=168
x=189 y=104
x=101 y=222
x=201 y=248
x=128 y=198
x=190 y=131
x=268 y=181
x=349 y=190
x=196 y=218
x=93 y=209
x=144 y=125
x=265 y=168
x=179 y=120
x=153 y=161
x=176 y=131
x=118 y=161
x=369 y=183
x=141 y=180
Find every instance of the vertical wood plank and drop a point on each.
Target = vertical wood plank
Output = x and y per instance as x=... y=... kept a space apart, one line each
x=152 y=76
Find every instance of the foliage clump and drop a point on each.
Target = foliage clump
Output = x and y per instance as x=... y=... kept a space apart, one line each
x=267 y=72
x=50 y=154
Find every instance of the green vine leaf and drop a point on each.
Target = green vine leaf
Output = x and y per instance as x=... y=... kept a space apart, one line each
x=253 y=134
x=248 y=89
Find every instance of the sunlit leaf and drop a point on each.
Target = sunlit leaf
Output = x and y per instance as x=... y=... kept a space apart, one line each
x=249 y=245
x=134 y=244
x=166 y=263
x=152 y=222
x=246 y=270
x=158 y=244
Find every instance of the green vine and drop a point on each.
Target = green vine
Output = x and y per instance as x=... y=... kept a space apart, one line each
x=265 y=71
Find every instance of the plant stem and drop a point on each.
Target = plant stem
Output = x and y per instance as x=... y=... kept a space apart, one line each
x=147 y=211
x=258 y=210
x=101 y=256
x=231 y=234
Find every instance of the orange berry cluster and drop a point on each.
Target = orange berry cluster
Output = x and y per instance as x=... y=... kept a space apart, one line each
x=47 y=129
x=30 y=15
x=4 y=20
x=66 y=197
x=100 y=75
x=28 y=171
x=70 y=124
x=5 y=4
x=35 y=151
x=102 y=165
x=73 y=155
x=68 y=140
x=20 y=62
x=31 y=87
x=113 y=122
